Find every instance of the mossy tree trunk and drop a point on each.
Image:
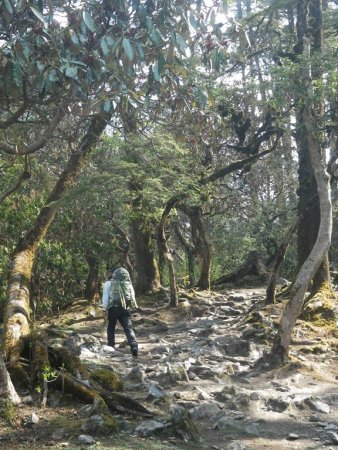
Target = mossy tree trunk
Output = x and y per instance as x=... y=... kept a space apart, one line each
x=309 y=27
x=201 y=243
x=147 y=271
x=17 y=312
x=311 y=156
x=165 y=249
x=280 y=349
x=279 y=257
x=148 y=275
x=190 y=251
x=92 y=281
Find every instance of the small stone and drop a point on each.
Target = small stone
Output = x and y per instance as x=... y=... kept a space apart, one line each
x=34 y=418
x=333 y=437
x=154 y=338
x=28 y=399
x=86 y=439
x=293 y=436
x=149 y=427
x=236 y=445
x=314 y=419
x=319 y=406
x=108 y=349
x=155 y=392
x=254 y=396
x=58 y=434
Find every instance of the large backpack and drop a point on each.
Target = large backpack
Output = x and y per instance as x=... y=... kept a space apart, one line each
x=120 y=289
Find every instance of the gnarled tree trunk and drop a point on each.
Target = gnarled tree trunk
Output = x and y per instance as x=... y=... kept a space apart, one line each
x=92 y=282
x=201 y=243
x=165 y=249
x=148 y=276
x=190 y=251
x=17 y=310
x=280 y=349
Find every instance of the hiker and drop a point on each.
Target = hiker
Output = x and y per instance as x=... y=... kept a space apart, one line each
x=118 y=299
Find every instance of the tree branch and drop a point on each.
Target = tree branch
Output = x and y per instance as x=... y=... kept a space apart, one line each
x=24 y=176
x=29 y=149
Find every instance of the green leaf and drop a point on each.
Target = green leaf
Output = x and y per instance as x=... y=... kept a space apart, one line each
x=156 y=37
x=192 y=21
x=181 y=42
x=212 y=17
x=17 y=74
x=139 y=50
x=104 y=46
x=40 y=66
x=88 y=20
x=74 y=39
x=9 y=6
x=39 y=16
x=116 y=45
x=128 y=49
x=156 y=73
x=149 y=23
x=52 y=76
x=224 y=8
x=71 y=72
x=161 y=62
x=106 y=106
x=146 y=103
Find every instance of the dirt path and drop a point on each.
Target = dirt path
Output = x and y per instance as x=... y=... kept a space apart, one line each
x=201 y=358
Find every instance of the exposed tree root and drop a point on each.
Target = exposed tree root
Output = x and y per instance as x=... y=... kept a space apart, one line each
x=58 y=368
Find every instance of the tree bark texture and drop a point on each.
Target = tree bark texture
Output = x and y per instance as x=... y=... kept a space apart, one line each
x=7 y=390
x=147 y=273
x=92 y=281
x=280 y=255
x=17 y=312
x=280 y=349
x=190 y=251
x=202 y=244
x=165 y=249
x=309 y=37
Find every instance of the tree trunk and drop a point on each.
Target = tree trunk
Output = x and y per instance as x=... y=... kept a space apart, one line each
x=147 y=273
x=280 y=349
x=165 y=249
x=201 y=243
x=309 y=31
x=190 y=251
x=92 y=282
x=7 y=390
x=17 y=312
x=280 y=254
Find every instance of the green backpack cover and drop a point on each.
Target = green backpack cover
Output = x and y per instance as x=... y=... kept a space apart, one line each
x=120 y=289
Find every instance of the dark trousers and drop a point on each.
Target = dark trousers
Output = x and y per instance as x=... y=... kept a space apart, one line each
x=117 y=313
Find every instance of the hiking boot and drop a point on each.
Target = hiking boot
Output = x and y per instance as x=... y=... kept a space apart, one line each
x=134 y=352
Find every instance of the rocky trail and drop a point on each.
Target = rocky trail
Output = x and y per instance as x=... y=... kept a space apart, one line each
x=197 y=362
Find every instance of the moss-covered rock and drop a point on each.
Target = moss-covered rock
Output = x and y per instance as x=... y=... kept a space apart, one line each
x=319 y=308
x=108 y=379
x=100 y=425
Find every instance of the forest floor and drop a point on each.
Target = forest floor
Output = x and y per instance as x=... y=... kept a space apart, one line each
x=200 y=357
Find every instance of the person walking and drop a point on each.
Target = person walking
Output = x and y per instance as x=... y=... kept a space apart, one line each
x=118 y=300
